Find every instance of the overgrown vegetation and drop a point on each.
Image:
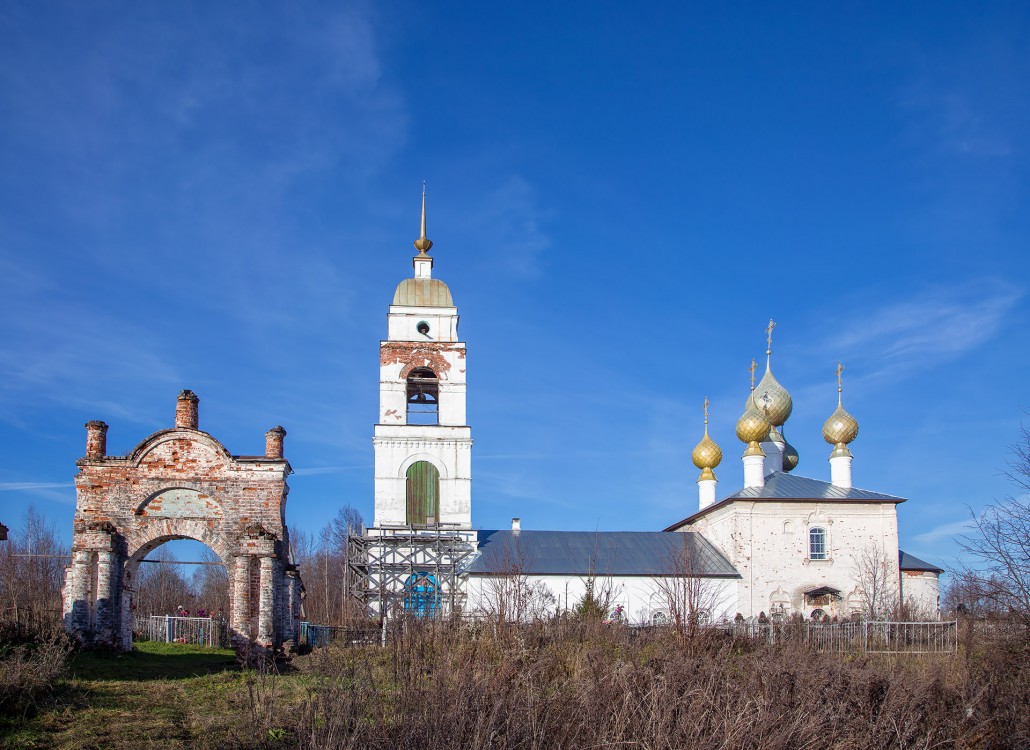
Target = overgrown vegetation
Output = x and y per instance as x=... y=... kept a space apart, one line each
x=570 y=684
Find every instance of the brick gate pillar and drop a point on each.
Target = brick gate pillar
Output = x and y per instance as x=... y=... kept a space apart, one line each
x=77 y=599
x=291 y=604
x=240 y=620
x=108 y=612
x=266 y=604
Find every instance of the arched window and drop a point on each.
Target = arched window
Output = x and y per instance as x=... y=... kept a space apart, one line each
x=423 y=397
x=817 y=543
x=423 y=494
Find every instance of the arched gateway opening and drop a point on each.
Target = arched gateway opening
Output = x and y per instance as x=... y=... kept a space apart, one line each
x=181 y=484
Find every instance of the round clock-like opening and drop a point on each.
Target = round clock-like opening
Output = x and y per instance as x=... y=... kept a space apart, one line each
x=422 y=327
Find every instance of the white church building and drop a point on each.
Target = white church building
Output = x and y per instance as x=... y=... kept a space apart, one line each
x=779 y=545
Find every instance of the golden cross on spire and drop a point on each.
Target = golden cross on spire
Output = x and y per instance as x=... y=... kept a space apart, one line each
x=840 y=381
x=752 y=370
x=768 y=335
x=706 y=411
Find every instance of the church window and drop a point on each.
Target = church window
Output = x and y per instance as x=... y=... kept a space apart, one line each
x=423 y=494
x=788 y=527
x=817 y=543
x=423 y=397
x=421 y=595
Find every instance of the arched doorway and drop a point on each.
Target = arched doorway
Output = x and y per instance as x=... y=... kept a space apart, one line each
x=178 y=591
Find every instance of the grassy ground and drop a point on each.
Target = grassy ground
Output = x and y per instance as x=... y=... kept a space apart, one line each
x=160 y=695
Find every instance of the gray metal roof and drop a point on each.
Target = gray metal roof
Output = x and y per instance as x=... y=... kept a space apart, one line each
x=782 y=486
x=911 y=562
x=607 y=553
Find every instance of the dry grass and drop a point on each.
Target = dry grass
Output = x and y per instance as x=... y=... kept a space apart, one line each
x=581 y=685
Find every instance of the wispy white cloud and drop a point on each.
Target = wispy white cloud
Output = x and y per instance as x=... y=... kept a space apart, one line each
x=945 y=531
x=511 y=216
x=14 y=486
x=930 y=326
x=316 y=470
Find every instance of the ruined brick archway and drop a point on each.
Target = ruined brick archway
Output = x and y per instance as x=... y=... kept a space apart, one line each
x=181 y=484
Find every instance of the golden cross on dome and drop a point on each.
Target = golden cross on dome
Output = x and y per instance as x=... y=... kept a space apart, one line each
x=768 y=335
x=752 y=370
x=706 y=410
x=840 y=370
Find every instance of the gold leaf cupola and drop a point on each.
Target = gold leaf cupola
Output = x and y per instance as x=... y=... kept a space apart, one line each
x=752 y=427
x=772 y=399
x=840 y=430
x=707 y=454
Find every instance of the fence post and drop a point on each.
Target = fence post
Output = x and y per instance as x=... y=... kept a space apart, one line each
x=865 y=636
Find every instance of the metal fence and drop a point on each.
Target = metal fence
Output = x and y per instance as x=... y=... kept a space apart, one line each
x=839 y=637
x=318 y=636
x=864 y=637
x=201 y=631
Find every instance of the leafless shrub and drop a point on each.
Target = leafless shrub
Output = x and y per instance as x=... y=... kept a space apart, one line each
x=569 y=682
x=30 y=673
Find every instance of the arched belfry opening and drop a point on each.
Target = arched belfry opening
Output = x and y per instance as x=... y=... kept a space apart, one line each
x=181 y=483
x=423 y=397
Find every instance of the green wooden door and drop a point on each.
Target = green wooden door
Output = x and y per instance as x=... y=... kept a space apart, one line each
x=423 y=493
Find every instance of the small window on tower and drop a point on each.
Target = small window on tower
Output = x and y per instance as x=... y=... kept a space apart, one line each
x=423 y=397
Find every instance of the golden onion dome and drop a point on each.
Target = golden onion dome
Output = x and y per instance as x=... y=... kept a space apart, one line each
x=790 y=457
x=752 y=427
x=840 y=428
x=707 y=454
x=773 y=399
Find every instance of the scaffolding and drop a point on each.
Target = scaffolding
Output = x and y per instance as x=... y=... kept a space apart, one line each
x=416 y=570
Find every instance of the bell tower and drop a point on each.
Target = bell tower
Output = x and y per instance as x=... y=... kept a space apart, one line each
x=423 y=444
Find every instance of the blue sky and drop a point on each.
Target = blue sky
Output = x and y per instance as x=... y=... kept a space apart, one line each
x=223 y=198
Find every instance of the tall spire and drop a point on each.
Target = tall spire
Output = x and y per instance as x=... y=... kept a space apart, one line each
x=423 y=243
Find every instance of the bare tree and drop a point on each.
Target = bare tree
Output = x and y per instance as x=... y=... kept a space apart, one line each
x=1000 y=548
x=691 y=599
x=999 y=545
x=211 y=586
x=31 y=573
x=512 y=596
x=323 y=561
x=877 y=581
x=162 y=589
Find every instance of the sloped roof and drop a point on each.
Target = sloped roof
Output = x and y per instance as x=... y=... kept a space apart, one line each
x=911 y=562
x=608 y=553
x=782 y=486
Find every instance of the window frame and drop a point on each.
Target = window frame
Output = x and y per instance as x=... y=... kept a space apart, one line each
x=823 y=542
